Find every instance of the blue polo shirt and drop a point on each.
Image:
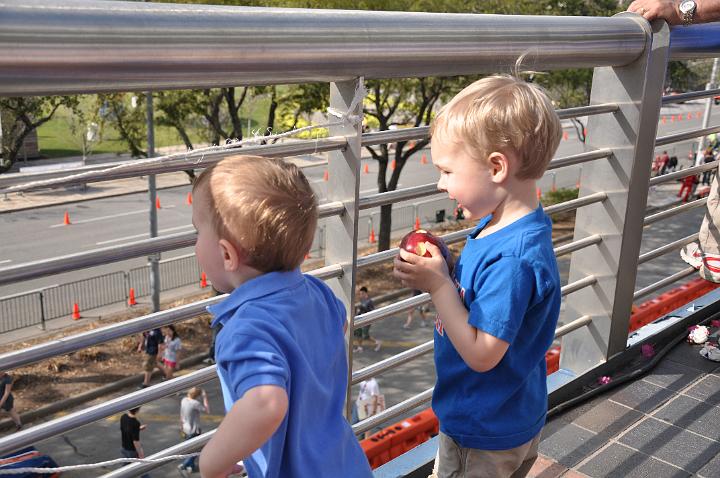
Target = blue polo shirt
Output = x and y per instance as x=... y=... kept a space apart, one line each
x=509 y=283
x=286 y=329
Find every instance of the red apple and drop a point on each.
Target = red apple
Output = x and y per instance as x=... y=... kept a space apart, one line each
x=414 y=241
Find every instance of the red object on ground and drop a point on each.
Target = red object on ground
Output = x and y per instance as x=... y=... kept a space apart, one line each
x=157 y=203
x=66 y=219
x=366 y=169
x=372 y=239
x=326 y=175
x=131 y=297
x=399 y=438
x=76 y=311
x=423 y=159
x=189 y=199
x=417 y=222
x=203 y=280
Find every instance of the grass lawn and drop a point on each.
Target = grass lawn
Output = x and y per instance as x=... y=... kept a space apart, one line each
x=56 y=140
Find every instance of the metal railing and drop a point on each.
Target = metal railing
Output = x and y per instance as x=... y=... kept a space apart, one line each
x=347 y=47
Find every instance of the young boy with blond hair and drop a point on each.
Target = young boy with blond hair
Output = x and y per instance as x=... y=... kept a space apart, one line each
x=498 y=310
x=281 y=353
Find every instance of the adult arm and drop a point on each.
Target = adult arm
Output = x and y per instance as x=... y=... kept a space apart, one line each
x=250 y=422
x=139 y=448
x=206 y=404
x=669 y=10
x=480 y=350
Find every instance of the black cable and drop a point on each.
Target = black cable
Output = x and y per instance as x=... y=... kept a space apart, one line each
x=625 y=378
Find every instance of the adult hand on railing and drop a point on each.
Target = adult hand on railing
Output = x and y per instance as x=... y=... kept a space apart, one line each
x=678 y=13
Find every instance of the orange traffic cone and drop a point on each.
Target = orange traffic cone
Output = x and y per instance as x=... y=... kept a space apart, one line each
x=664 y=120
x=577 y=184
x=539 y=194
x=566 y=136
x=157 y=203
x=423 y=159
x=189 y=199
x=366 y=169
x=131 y=297
x=417 y=222
x=76 y=311
x=393 y=164
x=66 y=219
x=326 y=175
x=307 y=256
x=689 y=115
x=585 y=132
x=372 y=236
x=698 y=115
x=672 y=118
x=203 y=280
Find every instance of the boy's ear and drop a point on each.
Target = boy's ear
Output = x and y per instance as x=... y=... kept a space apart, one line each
x=499 y=167
x=232 y=256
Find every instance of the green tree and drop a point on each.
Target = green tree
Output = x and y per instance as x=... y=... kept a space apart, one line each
x=21 y=116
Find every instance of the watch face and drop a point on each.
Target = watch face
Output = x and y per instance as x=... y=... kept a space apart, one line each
x=687 y=6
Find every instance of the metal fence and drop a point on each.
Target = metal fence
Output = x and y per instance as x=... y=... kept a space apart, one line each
x=629 y=56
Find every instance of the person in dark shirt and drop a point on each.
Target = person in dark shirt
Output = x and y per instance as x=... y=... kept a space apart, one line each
x=150 y=343
x=7 y=401
x=130 y=433
x=363 y=334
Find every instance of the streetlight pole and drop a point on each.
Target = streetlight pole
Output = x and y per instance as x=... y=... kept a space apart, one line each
x=154 y=259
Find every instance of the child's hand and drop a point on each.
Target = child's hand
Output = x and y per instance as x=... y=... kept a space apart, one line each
x=424 y=273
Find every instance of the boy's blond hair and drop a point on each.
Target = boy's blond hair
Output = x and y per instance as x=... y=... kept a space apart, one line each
x=499 y=112
x=263 y=206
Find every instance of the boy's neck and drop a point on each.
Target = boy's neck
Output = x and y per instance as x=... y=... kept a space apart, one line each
x=519 y=201
x=244 y=274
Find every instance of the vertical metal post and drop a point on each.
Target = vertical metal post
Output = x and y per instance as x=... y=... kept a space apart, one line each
x=630 y=132
x=154 y=259
x=42 y=311
x=341 y=232
x=708 y=109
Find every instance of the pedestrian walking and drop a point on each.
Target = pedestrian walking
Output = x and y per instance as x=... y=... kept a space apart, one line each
x=369 y=402
x=170 y=349
x=150 y=344
x=190 y=409
x=130 y=428
x=363 y=334
x=7 y=401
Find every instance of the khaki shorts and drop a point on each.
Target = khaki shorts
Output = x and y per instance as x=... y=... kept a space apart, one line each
x=150 y=363
x=454 y=461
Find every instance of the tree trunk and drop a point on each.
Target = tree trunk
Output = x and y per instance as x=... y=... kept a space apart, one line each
x=385 y=227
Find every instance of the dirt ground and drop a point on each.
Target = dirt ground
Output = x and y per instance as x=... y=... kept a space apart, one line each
x=60 y=377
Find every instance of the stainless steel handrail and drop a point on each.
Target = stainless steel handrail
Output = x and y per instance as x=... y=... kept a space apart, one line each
x=673 y=246
x=669 y=177
x=392 y=412
x=662 y=283
x=653 y=218
x=576 y=203
x=577 y=285
x=392 y=362
x=676 y=137
x=577 y=245
x=690 y=95
x=203 y=46
x=579 y=158
x=574 y=325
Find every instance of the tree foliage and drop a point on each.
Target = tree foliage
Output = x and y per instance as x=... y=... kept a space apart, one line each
x=21 y=116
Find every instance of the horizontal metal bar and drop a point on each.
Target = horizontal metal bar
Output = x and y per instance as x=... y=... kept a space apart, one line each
x=198 y=159
x=72 y=343
x=662 y=283
x=579 y=158
x=93 y=46
x=669 y=177
x=120 y=252
x=395 y=135
x=690 y=95
x=95 y=257
x=577 y=285
x=677 y=137
x=392 y=362
x=392 y=412
x=380 y=199
x=673 y=246
x=587 y=110
x=191 y=445
x=674 y=211
x=576 y=203
x=380 y=313
x=577 y=245
x=574 y=325
x=104 y=409
x=695 y=41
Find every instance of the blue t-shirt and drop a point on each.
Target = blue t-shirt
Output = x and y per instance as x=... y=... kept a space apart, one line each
x=286 y=329
x=510 y=284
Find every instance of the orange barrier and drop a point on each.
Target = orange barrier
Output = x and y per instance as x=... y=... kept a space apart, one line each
x=552 y=359
x=76 y=311
x=401 y=437
x=66 y=219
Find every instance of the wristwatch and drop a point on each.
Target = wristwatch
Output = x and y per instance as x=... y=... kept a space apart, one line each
x=687 y=11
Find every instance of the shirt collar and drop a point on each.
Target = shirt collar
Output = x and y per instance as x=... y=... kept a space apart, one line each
x=535 y=215
x=256 y=287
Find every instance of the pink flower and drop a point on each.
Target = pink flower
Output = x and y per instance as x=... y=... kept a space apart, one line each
x=715 y=323
x=648 y=351
x=604 y=380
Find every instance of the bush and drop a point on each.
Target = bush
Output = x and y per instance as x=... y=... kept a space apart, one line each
x=557 y=197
